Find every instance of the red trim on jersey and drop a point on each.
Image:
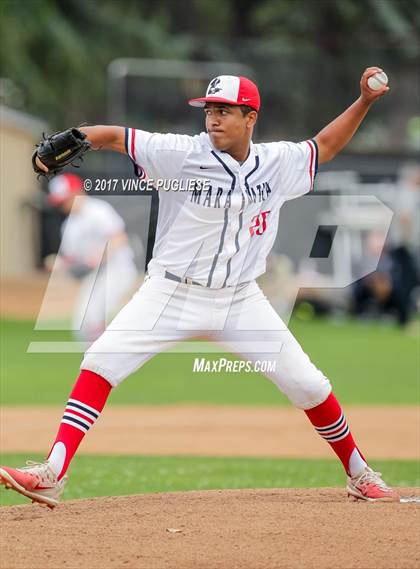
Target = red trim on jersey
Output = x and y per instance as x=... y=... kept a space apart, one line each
x=311 y=174
x=139 y=171
x=133 y=140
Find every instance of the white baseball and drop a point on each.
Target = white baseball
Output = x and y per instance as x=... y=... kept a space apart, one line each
x=377 y=81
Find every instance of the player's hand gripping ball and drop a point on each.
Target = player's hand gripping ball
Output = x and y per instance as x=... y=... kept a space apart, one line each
x=59 y=150
x=373 y=85
x=377 y=81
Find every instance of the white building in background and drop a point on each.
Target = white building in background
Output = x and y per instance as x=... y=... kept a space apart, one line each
x=19 y=232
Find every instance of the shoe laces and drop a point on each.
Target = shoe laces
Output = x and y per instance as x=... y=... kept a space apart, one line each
x=371 y=477
x=41 y=469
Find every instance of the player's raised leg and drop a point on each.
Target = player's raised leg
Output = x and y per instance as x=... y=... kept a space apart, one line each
x=252 y=319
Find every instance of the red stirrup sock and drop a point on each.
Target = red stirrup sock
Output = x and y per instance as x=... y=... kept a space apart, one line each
x=83 y=408
x=329 y=422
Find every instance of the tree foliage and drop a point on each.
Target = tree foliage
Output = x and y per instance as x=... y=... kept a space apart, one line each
x=55 y=53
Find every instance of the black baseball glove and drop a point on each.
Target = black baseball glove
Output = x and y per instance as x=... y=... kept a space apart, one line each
x=60 y=149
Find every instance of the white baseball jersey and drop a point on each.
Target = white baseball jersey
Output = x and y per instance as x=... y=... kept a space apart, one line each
x=86 y=231
x=220 y=229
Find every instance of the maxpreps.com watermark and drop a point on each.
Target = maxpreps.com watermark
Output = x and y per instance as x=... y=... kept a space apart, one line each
x=205 y=365
x=130 y=185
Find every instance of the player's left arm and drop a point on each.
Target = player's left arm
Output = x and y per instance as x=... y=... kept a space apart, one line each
x=338 y=133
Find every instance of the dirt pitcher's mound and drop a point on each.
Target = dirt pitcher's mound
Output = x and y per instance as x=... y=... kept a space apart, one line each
x=229 y=529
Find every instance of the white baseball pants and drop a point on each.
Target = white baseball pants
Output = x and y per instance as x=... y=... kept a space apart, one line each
x=163 y=312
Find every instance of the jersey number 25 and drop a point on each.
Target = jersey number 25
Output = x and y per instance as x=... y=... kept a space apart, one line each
x=259 y=223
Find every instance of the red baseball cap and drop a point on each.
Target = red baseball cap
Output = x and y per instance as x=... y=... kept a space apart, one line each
x=231 y=90
x=62 y=187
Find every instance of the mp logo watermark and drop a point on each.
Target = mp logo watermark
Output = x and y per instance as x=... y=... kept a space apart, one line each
x=345 y=217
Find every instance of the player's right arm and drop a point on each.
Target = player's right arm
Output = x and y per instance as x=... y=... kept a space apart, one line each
x=105 y=137
x=100 y=137
x=161 y=155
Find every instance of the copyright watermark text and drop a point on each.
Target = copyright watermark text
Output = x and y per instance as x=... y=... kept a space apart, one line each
x=132 y=185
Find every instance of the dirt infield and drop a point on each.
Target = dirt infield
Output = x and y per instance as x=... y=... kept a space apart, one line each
x=230 y=529
x=21 y=298
x=215 y=431
x=226 y=529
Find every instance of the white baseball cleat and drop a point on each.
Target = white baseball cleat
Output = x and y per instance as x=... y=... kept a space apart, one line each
x=368 y=485
x=35 y=481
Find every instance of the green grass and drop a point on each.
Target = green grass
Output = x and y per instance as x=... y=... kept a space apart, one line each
x=367 y=364
x=92 y=476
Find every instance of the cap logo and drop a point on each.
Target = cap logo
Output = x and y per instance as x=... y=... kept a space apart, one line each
x=213 y=87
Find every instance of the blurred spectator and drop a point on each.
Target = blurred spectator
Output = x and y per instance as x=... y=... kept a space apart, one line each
x=406 y=228
x=95 y=250
x=388 y=290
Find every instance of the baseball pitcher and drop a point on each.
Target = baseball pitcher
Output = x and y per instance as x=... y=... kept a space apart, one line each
x=212 y=241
